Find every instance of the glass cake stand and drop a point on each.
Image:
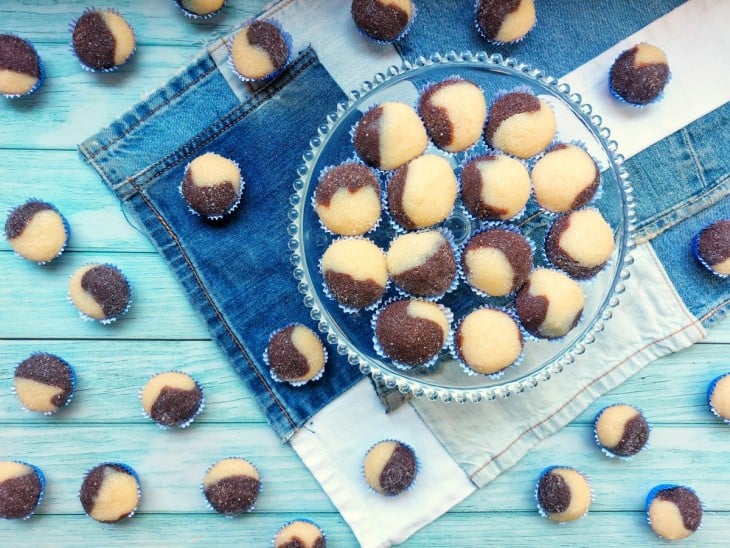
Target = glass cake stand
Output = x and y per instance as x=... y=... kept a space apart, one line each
x=352 y=334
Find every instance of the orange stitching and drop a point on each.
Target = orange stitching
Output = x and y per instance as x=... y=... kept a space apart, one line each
x=533 y=427
x=210 y=301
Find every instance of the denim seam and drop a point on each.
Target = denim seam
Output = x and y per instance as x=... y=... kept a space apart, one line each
x=652 y=227
x=698 y=165
x=575 y=396
x=220 y=316
x=716 y=312
x=141 y=179
x=142 y=119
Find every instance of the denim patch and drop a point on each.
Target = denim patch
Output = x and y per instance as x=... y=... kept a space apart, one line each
x=237 y=272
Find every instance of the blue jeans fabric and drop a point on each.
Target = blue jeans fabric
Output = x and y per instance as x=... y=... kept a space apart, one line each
x=237 y=272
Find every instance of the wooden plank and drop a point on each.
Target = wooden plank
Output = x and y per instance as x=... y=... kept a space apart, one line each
x=156 y=22
x=171 y=465
x=40 y=293
x=97 y=222
x=258 y=528
x=111 y=372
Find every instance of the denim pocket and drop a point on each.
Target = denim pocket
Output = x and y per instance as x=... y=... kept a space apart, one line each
x=237 y=272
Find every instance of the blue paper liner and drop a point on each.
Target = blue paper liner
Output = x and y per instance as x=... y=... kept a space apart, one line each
x=481 y=32
x=210 y=506
x=41 y=70
x=188 y=421
x=276 y=72
x=293 y=521
x=606 y=450
x=129 y=470
x=618 y=96
x=449 y=237
x=294 y=382
x=42 y=479
x=66 y=227
x=701 y=260
x=664 y=487
x=104 y=321
x=474 y=155
x=415 y=475
x=403 y=33
x=544 y=513
x=72 y=27
x=376 y=173
x=497 y=374
x=402 y=365
x=233 y=206
x=73 y=384
x=710 y=390
x=485 y=227
x=193 y=15
x=328 y=293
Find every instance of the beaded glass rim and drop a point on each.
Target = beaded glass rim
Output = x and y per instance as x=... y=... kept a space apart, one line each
x=391 y=378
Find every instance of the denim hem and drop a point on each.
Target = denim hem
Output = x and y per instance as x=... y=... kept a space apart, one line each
x=652 y=227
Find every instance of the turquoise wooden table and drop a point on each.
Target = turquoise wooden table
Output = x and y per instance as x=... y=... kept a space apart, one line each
x=38 y=158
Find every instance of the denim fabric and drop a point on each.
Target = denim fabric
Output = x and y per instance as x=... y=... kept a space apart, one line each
x=142 y=158
x=237 y=272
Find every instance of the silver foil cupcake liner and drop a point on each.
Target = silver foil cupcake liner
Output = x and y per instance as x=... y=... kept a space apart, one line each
x=422 y=367
x=585 y=281
x=399 y=37
x=536 y=338
x=423 y=89
x=466 y=368
x=229 y=211
x=485 y=227
x=276 y=72
x=394 y=224
x=710 y=390
x=209 y=506
x=104 y=321
x=293 y=521
x=185 y=423
x=605 y=450
x=294 y=383
x=544 y=513
x=41 y=70
x=481 y=32
x=129 y=470
x=70 y=396
x=415 y=476
x=345 y=308
x=323 y=172
x=192 y=15
x=66 y=227
x=449 y=237
x=72 y=28
x=476 y=155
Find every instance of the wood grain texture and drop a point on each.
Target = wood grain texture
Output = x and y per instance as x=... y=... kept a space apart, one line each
x=38 y=158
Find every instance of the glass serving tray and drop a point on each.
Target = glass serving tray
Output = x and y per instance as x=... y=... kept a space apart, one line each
x=352 y=334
